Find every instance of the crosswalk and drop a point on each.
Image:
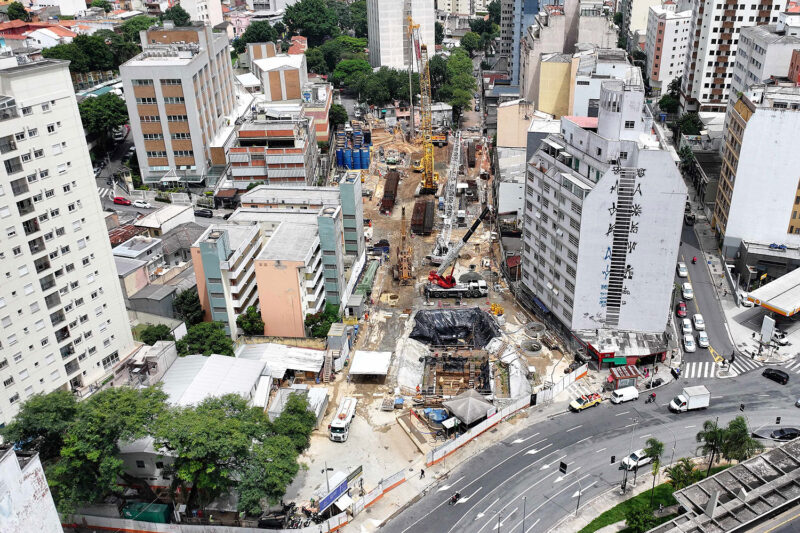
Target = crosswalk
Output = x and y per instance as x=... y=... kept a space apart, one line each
x=105 y=192
x=792 y=366
x=710 y=369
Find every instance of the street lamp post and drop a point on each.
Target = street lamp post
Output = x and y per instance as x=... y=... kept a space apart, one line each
x=327 y=481
x=625 y=468
x=524 y=501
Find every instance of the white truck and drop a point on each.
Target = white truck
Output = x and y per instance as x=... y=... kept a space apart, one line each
x=691 y=398
x=339 y=428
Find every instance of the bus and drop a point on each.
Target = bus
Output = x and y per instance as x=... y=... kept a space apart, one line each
x=339 y=428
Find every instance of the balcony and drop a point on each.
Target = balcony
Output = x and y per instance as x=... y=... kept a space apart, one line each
x=57 y=318
x=31 y=226
x=52 y=300
x=62 y=334
x=8 y=108
x=42 y=264
x=37 y=245
x=72 y=366
x=25 y=207
x=19 y=186
x=47 y=282
x=7 y=144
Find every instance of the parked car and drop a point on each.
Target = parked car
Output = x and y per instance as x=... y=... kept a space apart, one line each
x=686 y=326
x=203 y=212
x=743 y=301
x=680 y=310
x=778 y=376
x=702 y=339
x=699 y=323
x=688 y=344
x=121 y=200
x=683 y=272
x=687 y=291
x=785 y=434
x=142 y=204
x=585 y=402
x=636 y=460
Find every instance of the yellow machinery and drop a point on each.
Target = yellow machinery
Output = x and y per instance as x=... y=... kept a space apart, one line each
x=430 y=179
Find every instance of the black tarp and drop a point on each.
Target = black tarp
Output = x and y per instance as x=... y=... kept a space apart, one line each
x=450 y=327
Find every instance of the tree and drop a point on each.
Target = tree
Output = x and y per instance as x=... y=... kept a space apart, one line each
x=312 y=19
x=337 y=115
x=156 y=332
x=345 y=71
x=682 y=474
x=438 y=31
x=494 y=11
x=121 y=49
x=206 y=338
x=78 y=62
x=250 y=321
x=41 y=423
x=315 y=61
x=280 y=28
x=187 y=307
x=654 y=449
x=258 y=31
x=132 y=27
x=690 y=124
x=618 y=18
x=318 y=324
x=16 y=11
x=178 y=15
x=265 y=474
x=296 y=422
x=100 y=115
x=711 y=438
x=687 y=158
x=674 y=88
x=89 y=466
x=470 y=42
x=738 y=444
x=105 y=5
x=95 y=48
x=668 y=104
x=342 y=12
x=639 y=517
x=358 y=17
x=437 y=68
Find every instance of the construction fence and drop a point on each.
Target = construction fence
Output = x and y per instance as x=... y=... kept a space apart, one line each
x=547 y=395
x=102 y=523
x=384 y=486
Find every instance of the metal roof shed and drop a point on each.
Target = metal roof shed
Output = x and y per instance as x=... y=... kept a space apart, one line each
x=367 y=363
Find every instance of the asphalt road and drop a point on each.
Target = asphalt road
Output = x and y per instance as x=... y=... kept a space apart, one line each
x=523 y=471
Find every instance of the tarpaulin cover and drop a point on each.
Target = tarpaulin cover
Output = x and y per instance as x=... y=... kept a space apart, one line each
x=448 y=327
x=437 y=415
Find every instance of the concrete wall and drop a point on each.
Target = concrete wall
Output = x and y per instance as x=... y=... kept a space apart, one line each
x=554 y=88
x=514 y=132
x=202 y=293
x=25 y=498
x=280 y=297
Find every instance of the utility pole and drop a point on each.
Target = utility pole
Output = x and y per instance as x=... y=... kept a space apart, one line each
x=524 y=501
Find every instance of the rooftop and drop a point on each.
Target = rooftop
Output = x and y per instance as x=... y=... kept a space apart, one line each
x=290 y=242
x=587 y=123
x=193 y=378
x=623 y=343
x=781 y=296
x=280 y=357
x=280 y=62
x=291 y=195
x=770 y=34
x=125 y=265
x=153 y=292
x=181 y=237
x=238 y=234
x=134 y=246
x=157 y=218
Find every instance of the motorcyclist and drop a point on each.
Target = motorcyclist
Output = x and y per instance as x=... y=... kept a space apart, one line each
x=694 y=260
x=456 y=497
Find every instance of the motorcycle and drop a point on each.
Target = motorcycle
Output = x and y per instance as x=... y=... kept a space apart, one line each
x=694 y=260
x=651 y=398
x=455 y=498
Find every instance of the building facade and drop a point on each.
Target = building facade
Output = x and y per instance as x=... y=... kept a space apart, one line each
x=387 y=21
x=665 y=45
x=208 y=12
x=713 y=43
x=24 y=495
x=757 y=197
x=64 y=323
x=180 y=97
x=603 y=213
x=515 y=17
x=634 y=20
x=765 y=51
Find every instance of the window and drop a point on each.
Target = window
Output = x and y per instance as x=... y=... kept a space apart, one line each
x=61 y=168
x=8 y=382
x=14 y=399
x=28 y=288
x=181 y=136
x=139 y=464
x=23 y=270
x=40 y=153
x=170 y=82
x=45 y=107
x=148 y=118
x=44 y=173
x=159 y=153
x=110 y=360
x=177 y=118
x=54 y=375
x=142 y=82
x=629 y=124
x=23 y=375
x=623 y=155
x=173 y=100
x=33 y=132
x=51 y=128
x=183 y=153
x=146 y=101
x=26 y=111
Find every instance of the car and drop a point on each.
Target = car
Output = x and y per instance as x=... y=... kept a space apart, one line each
x=785 y=434
x=778 y=376
x=688 y=344
x=585 y=402
x=203 y=212
x=686 y=326
x=702 y=339
x=142 y=204
x=699 y=323
x=743 y=301
x=680 y=310
x=97 y=171
x=683 y=272
x=797 y=403
x=689 y=219
x=636 y=460
x=687 y=291
x=120 y=200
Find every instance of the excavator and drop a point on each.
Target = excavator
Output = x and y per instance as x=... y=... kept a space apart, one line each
x=441 y=285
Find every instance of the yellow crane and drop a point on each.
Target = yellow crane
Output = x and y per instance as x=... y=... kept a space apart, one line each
x=430 y=179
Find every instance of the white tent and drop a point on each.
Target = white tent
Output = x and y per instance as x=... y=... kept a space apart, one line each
x=367 y=363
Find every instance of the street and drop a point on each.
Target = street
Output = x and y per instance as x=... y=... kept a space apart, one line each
x=523 y=471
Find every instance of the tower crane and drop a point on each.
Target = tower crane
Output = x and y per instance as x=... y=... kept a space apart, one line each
x=430 y=179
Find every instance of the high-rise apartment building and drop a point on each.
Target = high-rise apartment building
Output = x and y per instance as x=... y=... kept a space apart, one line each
x=603 y=213
x=62 y=317
x=180 y=97
x=758 y=198
x=634 y=20
x=387 y=21
x=515 y=17
x=206 y=11
x=665 y=45
x=713 y=44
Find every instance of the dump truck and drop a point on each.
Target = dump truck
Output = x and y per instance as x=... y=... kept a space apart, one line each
x=389 y=192
x=691 y=398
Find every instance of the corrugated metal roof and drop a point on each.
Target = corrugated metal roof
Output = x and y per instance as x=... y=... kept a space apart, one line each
x=279 y=357
x=193 y=378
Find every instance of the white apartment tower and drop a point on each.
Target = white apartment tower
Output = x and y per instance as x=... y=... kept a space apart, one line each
x=603 y=213
x=713 y=44
x=765 y=51
x=387 y=22
x=665 y=45
x=64 y=324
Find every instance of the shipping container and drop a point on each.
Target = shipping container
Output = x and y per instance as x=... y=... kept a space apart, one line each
x=422 y=217
x=471 y=154
x=390 y=192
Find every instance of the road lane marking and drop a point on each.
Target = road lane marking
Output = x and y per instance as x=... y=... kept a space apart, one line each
x=531 y=452
x=576 y=427
x=584 y=490
x=445 y=487
x=509 y=503
x=503 y=520
x=689 y=427
x=483 y=513
x=629 y=425
x=559 y=479
x=514 y=527
x=519 y=441
x=548 y=465
x=645 y=436
x=622 y=413
x=600 y=450
x=587 y=438
x=466 y=498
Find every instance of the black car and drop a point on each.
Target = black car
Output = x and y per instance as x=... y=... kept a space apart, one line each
x=776 y=375
x=785 y=434
x=203 y=212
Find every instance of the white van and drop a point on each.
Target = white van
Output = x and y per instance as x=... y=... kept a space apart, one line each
x=339 y=428
x=624 y=394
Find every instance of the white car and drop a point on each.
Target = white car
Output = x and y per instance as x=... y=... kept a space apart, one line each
x=687 y=291
x=141 y=204
x=688 y=344
x=699 y=323
x=686 y=326
x=683 y=272
x=702 y=339
x=743 y=301
x=636 y=460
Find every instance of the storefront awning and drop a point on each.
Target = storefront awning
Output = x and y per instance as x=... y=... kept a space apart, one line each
x=540 y=305
x=344 y=502
x=616 y=360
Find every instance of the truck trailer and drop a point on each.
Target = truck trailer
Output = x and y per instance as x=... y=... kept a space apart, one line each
x=691 y=398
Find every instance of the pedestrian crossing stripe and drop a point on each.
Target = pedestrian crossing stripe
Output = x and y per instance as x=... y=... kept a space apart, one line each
x=105 y=191
x=710 y=369
x=793 y=366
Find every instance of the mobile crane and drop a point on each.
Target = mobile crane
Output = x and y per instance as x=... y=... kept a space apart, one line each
x=445 y=286
x=429 y=181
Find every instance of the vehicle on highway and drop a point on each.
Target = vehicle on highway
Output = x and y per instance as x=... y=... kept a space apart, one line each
x=585 y=402
x=680 y=310
x=687 y=291
x=686 y=326
x=625 y=394
x=203 y=212
x=636 y=460
x=778 y=376
x=683 y=272
x=691 y=398
x=688 y=343
x=699 y=323
x=785 y=434
x=142 y=204
x=702 y=339
x=120 y=200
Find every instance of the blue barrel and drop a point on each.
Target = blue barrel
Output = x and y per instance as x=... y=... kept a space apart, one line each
x=356 y=160
x=340 y=157
x=365 y=158
x=348 y=158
